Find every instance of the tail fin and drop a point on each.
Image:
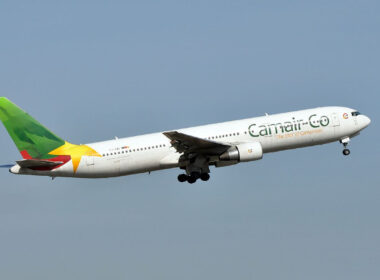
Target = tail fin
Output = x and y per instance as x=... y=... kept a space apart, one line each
x=32 y=139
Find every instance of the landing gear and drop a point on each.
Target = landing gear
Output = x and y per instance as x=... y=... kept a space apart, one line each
x=345 y=142
x=193 y=177
x=205 y=176
x=182 y=178
x=197 y=167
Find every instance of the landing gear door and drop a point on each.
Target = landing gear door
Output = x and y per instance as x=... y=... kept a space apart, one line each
x=335 y=120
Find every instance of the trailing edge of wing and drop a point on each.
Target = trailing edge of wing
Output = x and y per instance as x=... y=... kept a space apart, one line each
x=29 y=163
x=185 y=143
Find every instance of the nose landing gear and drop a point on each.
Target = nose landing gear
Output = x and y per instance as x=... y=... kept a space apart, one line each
x=346 y=152
x=345 y=142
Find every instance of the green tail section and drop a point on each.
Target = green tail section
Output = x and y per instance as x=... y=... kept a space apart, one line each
x=28 y=134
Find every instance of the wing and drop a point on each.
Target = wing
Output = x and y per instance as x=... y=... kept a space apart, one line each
x=187 y=144
x=31 y=163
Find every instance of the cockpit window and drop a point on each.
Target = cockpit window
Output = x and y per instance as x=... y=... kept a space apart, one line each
x=355 y=113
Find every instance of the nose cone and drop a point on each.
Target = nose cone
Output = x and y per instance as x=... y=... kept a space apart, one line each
x=364 y=121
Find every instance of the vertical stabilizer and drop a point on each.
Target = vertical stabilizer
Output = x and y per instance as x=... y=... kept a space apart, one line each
x=32 y=139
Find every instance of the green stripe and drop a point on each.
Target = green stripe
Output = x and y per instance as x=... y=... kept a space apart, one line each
x=27 y=133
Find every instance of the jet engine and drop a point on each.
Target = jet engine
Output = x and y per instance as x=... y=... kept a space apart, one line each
x=243 y=152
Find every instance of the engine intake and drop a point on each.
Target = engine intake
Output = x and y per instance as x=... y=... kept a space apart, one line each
x=243 y=152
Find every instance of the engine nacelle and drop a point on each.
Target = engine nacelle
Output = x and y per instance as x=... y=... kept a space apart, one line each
x=243 y=152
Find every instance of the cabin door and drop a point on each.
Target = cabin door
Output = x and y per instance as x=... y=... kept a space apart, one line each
x=335 y=120
x=335 y=123
x=89 y=161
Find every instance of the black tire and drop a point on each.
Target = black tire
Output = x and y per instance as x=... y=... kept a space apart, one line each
x=205 y=176
x=196 y=175
x=182 y=178
x=346 y=152
x=191 y=179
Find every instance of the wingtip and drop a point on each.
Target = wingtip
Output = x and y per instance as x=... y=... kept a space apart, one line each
x=169 y=134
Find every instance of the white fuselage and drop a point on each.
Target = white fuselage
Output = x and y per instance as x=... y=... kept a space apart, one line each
x=152 y=152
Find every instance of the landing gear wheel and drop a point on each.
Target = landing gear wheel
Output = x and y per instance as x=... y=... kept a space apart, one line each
x=191 y=179
x=196 y=175
x=205 y=176
x=182 y=178
x=345 y=142
x=346 y=152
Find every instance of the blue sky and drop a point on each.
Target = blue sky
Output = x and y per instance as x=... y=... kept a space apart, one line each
x=92 y=70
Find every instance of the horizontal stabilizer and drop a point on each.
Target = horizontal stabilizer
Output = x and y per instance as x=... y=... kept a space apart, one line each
x=30 y=163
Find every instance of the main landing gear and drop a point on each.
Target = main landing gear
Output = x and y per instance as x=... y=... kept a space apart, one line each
x=194 y=176
x=196 y=168
x=345 y=142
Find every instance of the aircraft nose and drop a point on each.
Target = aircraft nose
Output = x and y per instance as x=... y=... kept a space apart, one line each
x=365 y=121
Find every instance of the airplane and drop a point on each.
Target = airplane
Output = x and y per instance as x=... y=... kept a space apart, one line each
x=193 y=149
